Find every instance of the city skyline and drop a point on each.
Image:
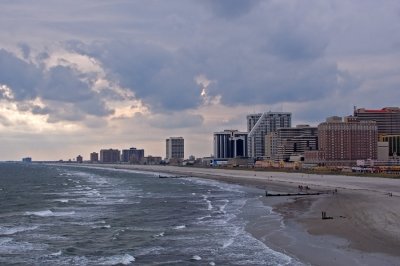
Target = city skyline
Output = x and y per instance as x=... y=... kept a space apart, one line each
x=78 y=77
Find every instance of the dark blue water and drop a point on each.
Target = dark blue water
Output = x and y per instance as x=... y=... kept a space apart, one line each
x=63 y=215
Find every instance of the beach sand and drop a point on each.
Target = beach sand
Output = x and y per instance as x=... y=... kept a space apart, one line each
x=365 y=229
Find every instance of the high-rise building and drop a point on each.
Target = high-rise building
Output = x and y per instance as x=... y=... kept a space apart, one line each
x=344 y=142
x=110 y=156
x=387 y=119
x=175 y=148
x=259 y=125
x=132 y=155
x=79 y=159
x=94 y=157
x=230 y=144
x=286 y=142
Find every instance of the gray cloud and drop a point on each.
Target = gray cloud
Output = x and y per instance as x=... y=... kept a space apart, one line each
x=63 y=84
x=231 y=8
x=171 y=121
x=61 y=88
x=22 y=77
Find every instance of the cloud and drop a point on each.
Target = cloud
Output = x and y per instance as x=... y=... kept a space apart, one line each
x=171 y=121
x=21 y=77
x=231 y=8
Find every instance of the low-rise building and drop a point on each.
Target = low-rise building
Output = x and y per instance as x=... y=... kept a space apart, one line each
x=94 y=157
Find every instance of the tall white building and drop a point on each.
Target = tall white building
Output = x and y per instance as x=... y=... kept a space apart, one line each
x=259 y=125
x=230 y=144
x=175 y=148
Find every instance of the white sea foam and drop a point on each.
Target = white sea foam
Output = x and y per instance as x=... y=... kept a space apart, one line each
x=195 y=258
x=48 y=213
x=209 y=205
x=5 y=240
x=9 y=246
x=160 y=234
x=179 y=227
x=227 y=243
x=56 y=254
x=62 y=200
x=125 y=259
x=14 y=230
x=203 y=217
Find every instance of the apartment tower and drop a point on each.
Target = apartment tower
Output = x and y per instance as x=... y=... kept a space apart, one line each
x=259 y=125
x=175 y=148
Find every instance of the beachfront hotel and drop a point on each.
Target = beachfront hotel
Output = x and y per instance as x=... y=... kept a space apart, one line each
x=175 y=148
x=343 y=142
x=261 y=124
x=387 y=119
x=230 y=144
x=110 y=156
x=132 y=155
x=284 y=143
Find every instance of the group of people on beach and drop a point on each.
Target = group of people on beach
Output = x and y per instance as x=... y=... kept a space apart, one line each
x=301 y=187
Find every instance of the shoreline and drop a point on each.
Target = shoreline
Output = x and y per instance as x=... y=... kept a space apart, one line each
x=364 y=229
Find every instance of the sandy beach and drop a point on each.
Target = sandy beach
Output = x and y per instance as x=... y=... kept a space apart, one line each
x=365 y=224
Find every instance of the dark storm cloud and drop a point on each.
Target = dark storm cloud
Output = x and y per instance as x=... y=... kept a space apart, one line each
x=260 y=52
x=22 y=77
x=62 y=84
x=162 y=78
x=61 y=88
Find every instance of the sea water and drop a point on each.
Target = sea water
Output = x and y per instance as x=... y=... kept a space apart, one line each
x=64 y=215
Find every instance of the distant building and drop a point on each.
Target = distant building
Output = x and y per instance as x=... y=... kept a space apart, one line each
x=284 y=143
x=383 y=151
x=230 y=144
x=132 y=155
x=175 y=148
x=393 y=142
x=79 y=159
x=259 y=125
x=345 y=142
x=27 y=160
x=152 y=160
x=110 y=156
x=94 y=157
x=387 y=119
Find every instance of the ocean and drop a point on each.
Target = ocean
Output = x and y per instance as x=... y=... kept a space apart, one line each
x=65 y=215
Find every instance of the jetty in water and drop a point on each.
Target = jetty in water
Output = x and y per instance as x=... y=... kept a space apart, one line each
x=273 y=194
x=172 y=176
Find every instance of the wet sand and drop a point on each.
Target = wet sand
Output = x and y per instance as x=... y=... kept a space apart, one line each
x=365 y=224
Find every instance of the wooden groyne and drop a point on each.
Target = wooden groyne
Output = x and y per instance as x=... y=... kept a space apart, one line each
x=172 y=176
x=272 y=194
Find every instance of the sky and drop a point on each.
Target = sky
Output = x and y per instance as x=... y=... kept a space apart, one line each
x=79 y=76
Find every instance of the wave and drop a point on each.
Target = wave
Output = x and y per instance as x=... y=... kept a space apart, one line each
x=125 y=259
x=179 y=227
x=62 y=200
x=14 y=230
x=49 y=213
x=209 y=205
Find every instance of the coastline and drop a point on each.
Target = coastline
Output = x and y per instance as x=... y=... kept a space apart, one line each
x=364 y=229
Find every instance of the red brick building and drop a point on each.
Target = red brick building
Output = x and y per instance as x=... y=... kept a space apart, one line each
x=344 y=142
